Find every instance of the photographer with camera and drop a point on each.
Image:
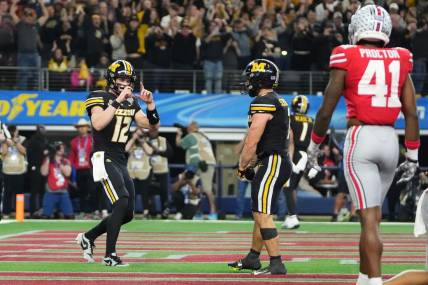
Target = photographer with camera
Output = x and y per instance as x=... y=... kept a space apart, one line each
x=186 y=193
x=57 y=168
x=159 y=150
x=139 y=168
x=200 y=154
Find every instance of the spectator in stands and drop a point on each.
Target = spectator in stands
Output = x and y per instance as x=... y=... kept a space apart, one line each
x=172 y=17
x=81 y=78
x=324 y=40
x=37 y=147
x=96 y=39
x=420 y=56
x=14 y=168
x=212 y=54
x=64 y=39
x=58 y=66
x=4 y=7
x=398 y=33
x=325 y=9
x=200 y=154
x=58 y=63
x=132 y=44
x=117 y=43
x=158 y=55
x=186 y=194
x=27 y=37
x=7 y=42
x=301 y=45
x=184 y=49
x=139 y=168
x=159 y=150
x=80 y=159
x=57 y=169
x=194 y=17
x=100 y=71
x=242 y=35
x=49 y=32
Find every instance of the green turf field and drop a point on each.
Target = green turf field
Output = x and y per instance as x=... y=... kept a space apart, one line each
x=171 y=247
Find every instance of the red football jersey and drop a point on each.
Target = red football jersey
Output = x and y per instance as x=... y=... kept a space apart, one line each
x=374 y=80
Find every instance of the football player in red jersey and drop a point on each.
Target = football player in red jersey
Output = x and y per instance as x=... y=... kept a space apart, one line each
x=376 y=84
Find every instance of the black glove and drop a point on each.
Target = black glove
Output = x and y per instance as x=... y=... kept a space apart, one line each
x=246 y=174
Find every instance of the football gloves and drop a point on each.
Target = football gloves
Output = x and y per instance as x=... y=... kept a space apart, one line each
x=312 y=165
x=246 y=174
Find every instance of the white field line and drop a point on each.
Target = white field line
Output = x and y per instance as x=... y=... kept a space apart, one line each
x=19 y=234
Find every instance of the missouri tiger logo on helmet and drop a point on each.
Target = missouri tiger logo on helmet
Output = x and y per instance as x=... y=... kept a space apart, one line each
x=260 y=73
x=120 y=69
x=371 y=23
x=300 y=104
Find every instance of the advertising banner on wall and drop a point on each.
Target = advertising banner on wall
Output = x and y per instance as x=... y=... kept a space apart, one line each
x=219 y=110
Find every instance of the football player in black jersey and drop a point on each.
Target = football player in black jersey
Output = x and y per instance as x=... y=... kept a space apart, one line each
x=111 y=112
x=300 y=136
x=267 y=138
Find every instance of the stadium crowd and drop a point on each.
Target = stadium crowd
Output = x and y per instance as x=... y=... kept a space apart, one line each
x=212 y=35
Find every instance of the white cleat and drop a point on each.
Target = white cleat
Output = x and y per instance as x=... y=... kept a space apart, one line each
x=291 y=222
x=87 y=247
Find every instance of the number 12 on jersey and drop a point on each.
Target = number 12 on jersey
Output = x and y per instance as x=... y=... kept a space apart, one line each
x=121 y=128
x=376 y=72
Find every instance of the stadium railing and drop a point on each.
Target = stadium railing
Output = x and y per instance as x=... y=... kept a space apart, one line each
x=161 y=80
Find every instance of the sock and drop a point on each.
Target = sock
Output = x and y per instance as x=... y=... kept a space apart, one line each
x=375 y=281
x=253 y=254
x=363 y=279
x=275 y=259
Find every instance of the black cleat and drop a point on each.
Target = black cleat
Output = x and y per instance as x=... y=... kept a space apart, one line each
x=273 y=269
x=114 y=260
x=245 y=264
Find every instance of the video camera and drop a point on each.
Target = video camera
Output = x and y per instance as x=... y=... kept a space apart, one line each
x=180 y=126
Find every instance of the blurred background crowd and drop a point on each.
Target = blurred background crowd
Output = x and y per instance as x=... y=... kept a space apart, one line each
x=213 y=35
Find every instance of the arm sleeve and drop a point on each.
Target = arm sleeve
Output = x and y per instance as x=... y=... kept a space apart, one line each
x=188 y=141
x=94 y=99
x=339 y=58
x=263 y=105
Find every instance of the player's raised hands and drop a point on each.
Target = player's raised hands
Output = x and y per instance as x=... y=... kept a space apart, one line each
x=145 y=95
x=124 y=94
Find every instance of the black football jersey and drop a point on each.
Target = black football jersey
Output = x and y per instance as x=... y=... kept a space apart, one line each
x=113 y=138
x=275 y=136
x=302 y=129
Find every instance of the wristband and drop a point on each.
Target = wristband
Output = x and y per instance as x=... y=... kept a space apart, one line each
x=316 y=138
x=412 y=144
x=153 y=116
x=115 y=104
x=412 y=155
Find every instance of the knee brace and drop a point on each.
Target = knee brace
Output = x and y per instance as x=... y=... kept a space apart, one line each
x=121 y=204
x=268 y=233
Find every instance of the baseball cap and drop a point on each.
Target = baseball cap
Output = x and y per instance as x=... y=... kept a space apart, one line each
x=394 y=6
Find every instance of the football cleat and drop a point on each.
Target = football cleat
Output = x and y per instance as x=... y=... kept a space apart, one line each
x=291 y=222
x=243 y=264
x=273 y=269
x=114 y=260
x=87 y=247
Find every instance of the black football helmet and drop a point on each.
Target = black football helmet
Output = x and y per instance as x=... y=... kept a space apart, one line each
x=120 y=69
x=260 y=73
x=300 y=104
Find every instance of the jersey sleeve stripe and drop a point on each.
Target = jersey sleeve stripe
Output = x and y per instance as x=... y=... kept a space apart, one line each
x=94 y=98
x=267 y=109
x=338 y=61
x=94 y=101
x=337 y=55
x=87 y=105
x=262 y=105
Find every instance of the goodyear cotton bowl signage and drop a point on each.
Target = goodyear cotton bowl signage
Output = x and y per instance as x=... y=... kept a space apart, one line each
x=223 y=110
